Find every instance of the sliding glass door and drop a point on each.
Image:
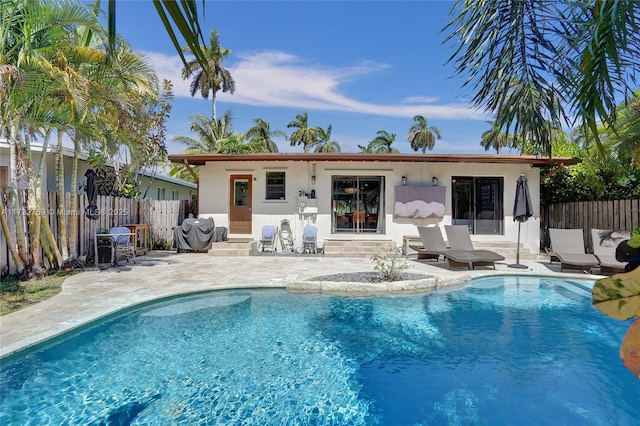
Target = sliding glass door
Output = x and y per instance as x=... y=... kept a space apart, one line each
x=357 y=204
x=478 y=203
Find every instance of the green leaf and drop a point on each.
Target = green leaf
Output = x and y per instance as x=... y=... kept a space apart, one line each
x=618 y=296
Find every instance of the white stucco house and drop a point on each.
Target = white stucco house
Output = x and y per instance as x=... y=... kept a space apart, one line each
x=369 y=196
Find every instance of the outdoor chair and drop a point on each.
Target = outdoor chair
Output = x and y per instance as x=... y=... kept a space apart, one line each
x=604 y=243
x=460 y=239
x=433 y=244
x=310 y=239
x=268 y=238
x=123 y=245
x=434 y=247
x=568 y=246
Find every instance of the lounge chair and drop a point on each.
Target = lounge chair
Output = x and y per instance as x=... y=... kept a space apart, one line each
x=268 y=238
x=432 y=243
x=121 y=238
x=568 y=246
x=605 y=242
x=310 y=239
x=460 y=240
x=434 y=247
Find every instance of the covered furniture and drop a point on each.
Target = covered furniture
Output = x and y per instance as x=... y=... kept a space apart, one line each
x=434 y=247
x=568 y=246
x=268 y=238
x=197 y=234
x=310 y=239
x=605 y=242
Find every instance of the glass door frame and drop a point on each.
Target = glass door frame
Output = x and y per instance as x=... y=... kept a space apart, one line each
x=357 y=204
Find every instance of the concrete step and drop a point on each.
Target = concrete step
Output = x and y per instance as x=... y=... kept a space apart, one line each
x=234 y=247
x=355 y=248
x=506 y=249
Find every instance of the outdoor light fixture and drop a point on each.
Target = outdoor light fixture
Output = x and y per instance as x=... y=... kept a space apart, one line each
x=404 y=180
x=434 y=181
x=313 y=174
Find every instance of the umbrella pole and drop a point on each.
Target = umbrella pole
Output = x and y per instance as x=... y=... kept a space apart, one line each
x=518 y=246
x=517 y=264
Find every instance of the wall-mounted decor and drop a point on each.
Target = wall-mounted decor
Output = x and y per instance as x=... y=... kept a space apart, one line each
x=419 y=202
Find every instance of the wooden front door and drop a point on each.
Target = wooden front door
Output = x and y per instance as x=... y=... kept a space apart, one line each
x=240 y=204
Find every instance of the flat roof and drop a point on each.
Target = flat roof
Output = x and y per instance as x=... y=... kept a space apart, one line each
x=535 y=161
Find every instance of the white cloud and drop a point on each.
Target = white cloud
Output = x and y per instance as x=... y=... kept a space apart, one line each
x=278 y=79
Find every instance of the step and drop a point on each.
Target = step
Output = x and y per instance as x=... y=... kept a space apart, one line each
x=355 y=248
x=234 y=247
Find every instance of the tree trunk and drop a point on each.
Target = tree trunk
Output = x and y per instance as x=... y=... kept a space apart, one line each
x=21 y=243
x=35 y=214
x=10 y=243
x=213 y=105
x=73 y=217
x=61 y=211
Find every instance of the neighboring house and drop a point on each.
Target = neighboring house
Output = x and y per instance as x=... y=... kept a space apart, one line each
x=368 y=196
x=161 y=188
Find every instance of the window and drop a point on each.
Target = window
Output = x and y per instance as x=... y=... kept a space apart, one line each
x=175 y=195
x=477 y=202
x=275 y=186
x=160 y=193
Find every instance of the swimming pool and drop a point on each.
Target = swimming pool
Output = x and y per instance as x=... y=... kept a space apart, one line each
x=500 y=350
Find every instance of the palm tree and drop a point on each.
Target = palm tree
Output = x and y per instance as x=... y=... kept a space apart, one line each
x=325 y=143
x=623 y=140
x=209 y=133
x=35 y=37
x=582 y=52
x=212 y=77
x=381 y=144
x=370 y=148
x=421 y=136
x=494 y=138
x=304 y=135
x=261 y=135
x=182 y=15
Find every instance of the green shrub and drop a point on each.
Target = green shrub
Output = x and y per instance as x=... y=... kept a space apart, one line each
x=390 y=264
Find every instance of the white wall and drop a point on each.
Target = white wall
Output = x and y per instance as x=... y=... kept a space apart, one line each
x=214 y=195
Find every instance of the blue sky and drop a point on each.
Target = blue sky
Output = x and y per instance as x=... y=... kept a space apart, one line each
x=357 y=65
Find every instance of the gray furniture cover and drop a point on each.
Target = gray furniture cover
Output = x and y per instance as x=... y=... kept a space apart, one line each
x=198 y=234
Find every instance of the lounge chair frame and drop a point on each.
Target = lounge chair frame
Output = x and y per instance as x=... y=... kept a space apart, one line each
x=434 y=247
x=568 y=246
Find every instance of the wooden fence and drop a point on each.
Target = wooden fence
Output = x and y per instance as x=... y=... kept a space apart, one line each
x=161 y=216
x=617 y=214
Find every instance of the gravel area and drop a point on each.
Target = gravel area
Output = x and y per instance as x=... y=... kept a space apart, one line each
x=366 y=277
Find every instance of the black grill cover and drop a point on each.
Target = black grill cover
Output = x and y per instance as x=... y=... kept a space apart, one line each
x=198 y=234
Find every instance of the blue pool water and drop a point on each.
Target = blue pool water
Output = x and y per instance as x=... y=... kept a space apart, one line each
x=503 y=350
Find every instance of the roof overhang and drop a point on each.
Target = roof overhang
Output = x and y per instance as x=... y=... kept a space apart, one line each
x=535 y=161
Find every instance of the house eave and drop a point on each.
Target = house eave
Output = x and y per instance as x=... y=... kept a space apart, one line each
x=534 y=161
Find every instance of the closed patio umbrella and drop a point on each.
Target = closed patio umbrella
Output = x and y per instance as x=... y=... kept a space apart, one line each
x=522 y=211
x=91 y=211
